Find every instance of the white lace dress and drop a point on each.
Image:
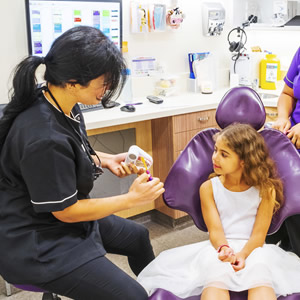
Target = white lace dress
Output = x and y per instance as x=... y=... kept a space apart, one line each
x=186 y=270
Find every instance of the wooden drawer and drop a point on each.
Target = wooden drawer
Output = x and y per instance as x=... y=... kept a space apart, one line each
x=192 y=121
x=271 y=114
x=181 y=139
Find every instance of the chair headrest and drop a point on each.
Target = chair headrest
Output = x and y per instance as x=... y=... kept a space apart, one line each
x=242 y=105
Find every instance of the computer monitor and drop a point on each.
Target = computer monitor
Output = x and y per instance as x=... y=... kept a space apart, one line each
x=48 y=19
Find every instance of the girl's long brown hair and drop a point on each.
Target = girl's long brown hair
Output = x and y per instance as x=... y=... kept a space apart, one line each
x=259 y=169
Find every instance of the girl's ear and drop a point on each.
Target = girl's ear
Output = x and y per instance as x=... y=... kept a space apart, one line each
x=242 y=163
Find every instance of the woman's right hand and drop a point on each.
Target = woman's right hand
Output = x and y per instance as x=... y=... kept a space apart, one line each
x=143 y=191
x=282 y=125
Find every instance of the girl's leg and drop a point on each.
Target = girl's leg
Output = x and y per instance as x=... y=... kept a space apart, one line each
x=210 y=293
x=261 y=293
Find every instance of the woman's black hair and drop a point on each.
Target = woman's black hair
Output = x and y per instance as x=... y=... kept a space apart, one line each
x=79 y=55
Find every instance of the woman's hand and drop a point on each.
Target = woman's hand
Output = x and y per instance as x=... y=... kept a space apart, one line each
x=227 y=255
x=294 y=135
x=115 y=163
x=282 y=125
x=239 y=263
x=143 y=191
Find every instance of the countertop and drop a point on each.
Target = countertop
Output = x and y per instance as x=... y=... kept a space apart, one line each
x=173 y=105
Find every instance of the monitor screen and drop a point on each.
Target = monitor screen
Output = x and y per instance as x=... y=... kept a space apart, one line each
x=48 y=19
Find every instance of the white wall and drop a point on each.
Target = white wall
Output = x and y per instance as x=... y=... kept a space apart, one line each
x=13 y=45
x=169 y=47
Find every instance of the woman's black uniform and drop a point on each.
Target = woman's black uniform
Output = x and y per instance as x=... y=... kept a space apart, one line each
x=44 y=168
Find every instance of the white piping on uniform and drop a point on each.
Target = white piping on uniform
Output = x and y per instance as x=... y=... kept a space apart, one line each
x=289 y=80
x=73 y=119
x=52 y=202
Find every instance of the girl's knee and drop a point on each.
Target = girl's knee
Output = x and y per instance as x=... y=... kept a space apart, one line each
x=215 y=293
x=262 y=293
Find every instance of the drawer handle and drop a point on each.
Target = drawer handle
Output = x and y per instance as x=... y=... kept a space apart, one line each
x=203 y=119
x=272 y=114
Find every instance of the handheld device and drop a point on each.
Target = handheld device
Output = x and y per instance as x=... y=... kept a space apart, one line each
x=138 y=157
x=127 y=108
x=155 y=99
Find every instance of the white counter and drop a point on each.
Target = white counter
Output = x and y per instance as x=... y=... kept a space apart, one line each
x=174 y=105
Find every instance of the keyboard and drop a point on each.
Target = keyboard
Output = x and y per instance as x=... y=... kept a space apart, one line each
x=87 y=108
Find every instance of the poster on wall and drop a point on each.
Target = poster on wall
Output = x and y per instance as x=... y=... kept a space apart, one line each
x=48 y=19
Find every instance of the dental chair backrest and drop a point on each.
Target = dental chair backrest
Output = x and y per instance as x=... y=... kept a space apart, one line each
x=193 y=166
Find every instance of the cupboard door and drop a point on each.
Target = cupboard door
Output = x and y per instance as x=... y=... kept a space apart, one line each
x=271 y=114
x=192 y=121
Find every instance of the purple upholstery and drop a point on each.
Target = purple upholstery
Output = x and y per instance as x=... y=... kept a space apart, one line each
x=187 y=174
x=161 y=294
x=165 y=295
x=29 y=288
x=234 y=107
x=194 y=165
x=287 y=159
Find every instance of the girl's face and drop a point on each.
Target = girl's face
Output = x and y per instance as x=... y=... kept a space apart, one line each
x=225 y=161
x=93 y=93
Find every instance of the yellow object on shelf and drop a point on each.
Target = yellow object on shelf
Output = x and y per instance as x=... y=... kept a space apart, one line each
x=269 y=72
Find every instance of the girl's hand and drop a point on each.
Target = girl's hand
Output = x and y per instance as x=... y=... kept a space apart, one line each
x=227 y=255
x=143 y=191
x=282 y=125
x=239 y=263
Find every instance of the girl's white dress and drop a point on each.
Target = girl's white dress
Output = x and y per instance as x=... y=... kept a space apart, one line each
x=186 y=270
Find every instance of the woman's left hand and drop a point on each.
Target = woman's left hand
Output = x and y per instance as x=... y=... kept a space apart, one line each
x=239 y=262
x=116 y=165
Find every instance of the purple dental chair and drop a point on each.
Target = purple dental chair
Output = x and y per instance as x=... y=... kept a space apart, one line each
x=191 y=169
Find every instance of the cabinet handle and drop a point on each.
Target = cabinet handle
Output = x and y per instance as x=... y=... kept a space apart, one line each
x=274 y=114
x=203 y=119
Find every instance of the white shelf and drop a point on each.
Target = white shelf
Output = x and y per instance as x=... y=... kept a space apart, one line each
x=261 y=26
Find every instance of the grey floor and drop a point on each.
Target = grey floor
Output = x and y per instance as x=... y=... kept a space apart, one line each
x=162 y=237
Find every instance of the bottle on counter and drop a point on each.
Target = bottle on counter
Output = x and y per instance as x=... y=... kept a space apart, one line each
x=269 y=72
x=126 y=95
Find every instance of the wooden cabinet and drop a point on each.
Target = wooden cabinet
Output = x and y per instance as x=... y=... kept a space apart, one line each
x=271 y=114
x=170 y=135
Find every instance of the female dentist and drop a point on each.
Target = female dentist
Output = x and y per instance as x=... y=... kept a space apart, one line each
x=52 y=234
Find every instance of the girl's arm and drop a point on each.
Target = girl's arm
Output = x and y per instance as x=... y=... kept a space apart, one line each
x=211 y=215
x=213 y=222
x=260 y=229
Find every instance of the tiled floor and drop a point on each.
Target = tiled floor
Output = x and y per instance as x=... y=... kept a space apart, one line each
x=162 y=238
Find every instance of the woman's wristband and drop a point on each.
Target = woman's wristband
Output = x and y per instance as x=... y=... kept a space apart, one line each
x=220 y=247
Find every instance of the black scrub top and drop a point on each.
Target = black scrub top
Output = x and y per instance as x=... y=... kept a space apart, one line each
x=44 y=168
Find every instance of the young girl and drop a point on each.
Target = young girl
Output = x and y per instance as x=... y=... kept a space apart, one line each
x=237 y=205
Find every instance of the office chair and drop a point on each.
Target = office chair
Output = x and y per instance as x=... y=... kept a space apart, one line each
x=31 y=288
x=193 y=166
x=46 y=295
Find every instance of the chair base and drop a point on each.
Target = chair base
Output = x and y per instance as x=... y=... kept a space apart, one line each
x=50 y=296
